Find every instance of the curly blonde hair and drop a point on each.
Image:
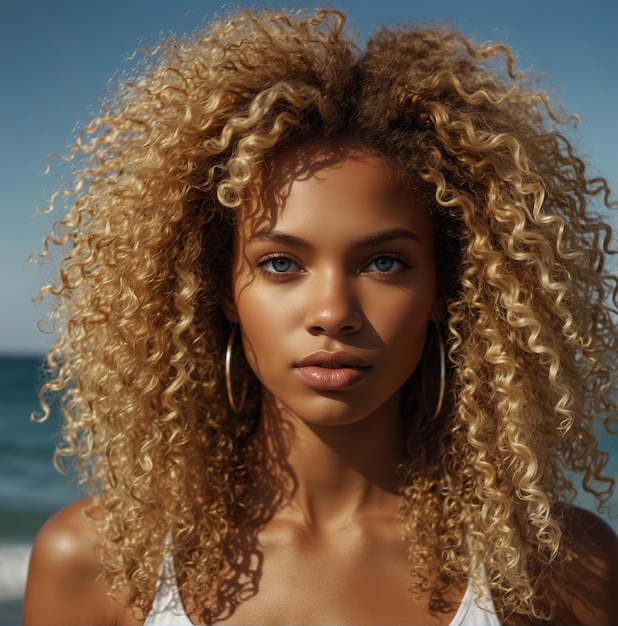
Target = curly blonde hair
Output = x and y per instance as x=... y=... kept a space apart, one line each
x=147 y=251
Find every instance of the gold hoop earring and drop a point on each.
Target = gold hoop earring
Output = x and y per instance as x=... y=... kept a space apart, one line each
x=442 y=385
x=237 y=408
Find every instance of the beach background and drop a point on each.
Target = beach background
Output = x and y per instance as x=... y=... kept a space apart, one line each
x=57 y=60
x=31 y=490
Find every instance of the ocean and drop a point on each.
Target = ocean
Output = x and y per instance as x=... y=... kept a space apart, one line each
x=31 y=490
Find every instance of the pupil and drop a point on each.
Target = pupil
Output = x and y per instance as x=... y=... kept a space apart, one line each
x=384 y=264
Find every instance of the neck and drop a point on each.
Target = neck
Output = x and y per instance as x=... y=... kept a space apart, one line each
x=338 y=472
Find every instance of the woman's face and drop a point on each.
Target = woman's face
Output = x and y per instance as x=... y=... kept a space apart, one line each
x=334 y=283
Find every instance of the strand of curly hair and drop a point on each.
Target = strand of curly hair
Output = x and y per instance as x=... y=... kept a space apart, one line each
x=147 y=249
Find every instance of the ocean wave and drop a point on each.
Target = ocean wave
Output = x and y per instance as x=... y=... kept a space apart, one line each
x=13 y=570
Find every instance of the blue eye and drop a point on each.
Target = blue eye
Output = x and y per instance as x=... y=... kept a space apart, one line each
x=279 y=265
x=385 y=265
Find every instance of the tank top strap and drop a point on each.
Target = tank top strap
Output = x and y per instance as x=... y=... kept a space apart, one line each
x=167 y=608
x=477 y=607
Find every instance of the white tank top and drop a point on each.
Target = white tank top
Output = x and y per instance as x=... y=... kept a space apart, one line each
x=167 y=608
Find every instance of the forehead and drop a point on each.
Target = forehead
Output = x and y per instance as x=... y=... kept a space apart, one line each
x=325 y=180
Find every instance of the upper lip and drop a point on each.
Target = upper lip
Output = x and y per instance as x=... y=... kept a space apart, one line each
x=325 y=358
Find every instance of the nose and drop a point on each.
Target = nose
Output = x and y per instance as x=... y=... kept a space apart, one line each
x=332 y=305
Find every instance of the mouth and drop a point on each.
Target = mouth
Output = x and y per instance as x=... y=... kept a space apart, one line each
x=332 y=370
x=333 y=360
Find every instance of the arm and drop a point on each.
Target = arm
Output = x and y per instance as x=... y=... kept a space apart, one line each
x=585 y=579
x=63 y=585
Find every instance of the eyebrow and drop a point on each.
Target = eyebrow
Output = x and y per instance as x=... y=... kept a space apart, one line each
x=386 y=236
x=275 y=236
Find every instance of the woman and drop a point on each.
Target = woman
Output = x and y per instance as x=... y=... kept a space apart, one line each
x=336 y=330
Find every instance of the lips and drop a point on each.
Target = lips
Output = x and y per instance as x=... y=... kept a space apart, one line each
x=332 y=370
x=332 y=360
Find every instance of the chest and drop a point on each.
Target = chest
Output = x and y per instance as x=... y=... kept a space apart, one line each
x=343 y=579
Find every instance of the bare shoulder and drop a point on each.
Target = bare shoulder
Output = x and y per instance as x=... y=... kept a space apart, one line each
x=585 y=579
x=63 y=579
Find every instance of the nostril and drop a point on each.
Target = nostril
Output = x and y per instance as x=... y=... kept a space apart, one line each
x=332 y=312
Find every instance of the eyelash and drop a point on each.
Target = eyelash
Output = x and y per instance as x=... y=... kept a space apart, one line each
x=391 y=257
x=404 y=264
x=272 y=273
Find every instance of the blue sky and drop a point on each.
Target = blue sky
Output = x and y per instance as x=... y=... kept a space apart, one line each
x=57 y=57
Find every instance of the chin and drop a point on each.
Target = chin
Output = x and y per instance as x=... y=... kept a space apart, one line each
x=331 y=411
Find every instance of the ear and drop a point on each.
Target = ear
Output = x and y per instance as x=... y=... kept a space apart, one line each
x=438 y=308
x=228 y=303
x=437 y=311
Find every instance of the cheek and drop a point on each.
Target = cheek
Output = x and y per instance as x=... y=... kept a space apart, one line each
x=260 y=322
x=401 y=323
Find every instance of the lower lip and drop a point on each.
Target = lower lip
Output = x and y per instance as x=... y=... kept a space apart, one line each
x=331 y=378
